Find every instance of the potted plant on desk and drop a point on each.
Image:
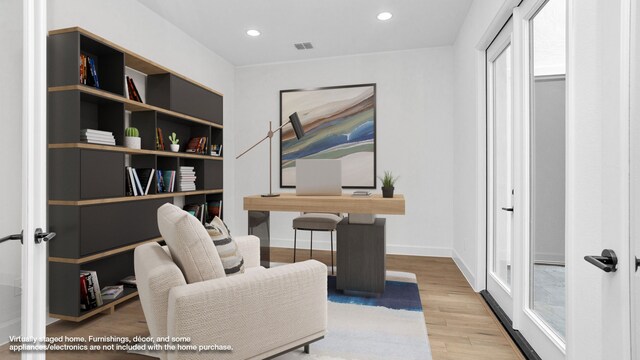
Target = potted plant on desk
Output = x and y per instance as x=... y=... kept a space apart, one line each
x=388 y=182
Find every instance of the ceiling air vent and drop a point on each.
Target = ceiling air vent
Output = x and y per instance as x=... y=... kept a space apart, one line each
x=303 y=46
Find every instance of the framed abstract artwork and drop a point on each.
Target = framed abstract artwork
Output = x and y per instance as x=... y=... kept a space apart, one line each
x=339 y=123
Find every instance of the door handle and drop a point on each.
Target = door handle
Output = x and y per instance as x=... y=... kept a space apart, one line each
x=637 y=263
x=606 y=262
x=508 y=209
x=43 y=236
x=12 y=237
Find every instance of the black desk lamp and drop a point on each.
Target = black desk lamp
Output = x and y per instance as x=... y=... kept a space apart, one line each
x=297 y=128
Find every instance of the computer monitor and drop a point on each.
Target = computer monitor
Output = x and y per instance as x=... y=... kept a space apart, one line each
x=318 y=177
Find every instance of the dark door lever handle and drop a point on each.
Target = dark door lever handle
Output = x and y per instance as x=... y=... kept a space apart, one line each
x=43 y=236
x=508 y=209
x=607 y=262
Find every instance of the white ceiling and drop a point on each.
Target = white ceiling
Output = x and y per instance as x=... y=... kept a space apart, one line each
x=335 y=27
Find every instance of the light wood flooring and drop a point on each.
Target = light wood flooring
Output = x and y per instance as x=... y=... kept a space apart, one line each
x=459 y=323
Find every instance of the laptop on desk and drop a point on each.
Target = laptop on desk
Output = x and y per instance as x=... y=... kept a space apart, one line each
x=322 y=177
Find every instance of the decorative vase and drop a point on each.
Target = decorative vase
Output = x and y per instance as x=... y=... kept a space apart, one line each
x=175 y=147
x=132 y=142
x=387 y=192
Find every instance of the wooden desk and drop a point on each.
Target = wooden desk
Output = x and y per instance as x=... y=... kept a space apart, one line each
x=259 y=208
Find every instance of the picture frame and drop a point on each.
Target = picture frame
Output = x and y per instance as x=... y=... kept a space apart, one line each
x=340 y=123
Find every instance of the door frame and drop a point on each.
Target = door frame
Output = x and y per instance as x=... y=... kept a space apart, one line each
x=34 y=162
x=538 y=333
x=634 y=168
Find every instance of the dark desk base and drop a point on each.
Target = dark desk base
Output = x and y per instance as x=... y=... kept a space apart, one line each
x=361 y=252
x=259 y=226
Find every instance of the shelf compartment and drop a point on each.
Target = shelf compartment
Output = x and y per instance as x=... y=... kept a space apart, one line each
x=83 y=174
x=125 y=150
x=88 y=230
x=70 y=112
x=64 y=294
x=184 y=130
x=63 y=58
x=176 y=94
x=131 y=198
x=130 y=105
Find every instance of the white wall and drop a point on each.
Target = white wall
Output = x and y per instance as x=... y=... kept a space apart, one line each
x=414 y=137
x=10 y=209
x=138 y=29
x=468 y=162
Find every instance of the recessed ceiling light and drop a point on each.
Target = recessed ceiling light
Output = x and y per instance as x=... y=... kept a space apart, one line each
x=253 y=32
x=384 y=16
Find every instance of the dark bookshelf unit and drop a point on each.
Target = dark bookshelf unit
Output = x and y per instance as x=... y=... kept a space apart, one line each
x=97 y=223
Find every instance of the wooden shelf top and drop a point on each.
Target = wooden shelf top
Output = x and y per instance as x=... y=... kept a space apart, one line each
x=374 y=204
x=131 y=198
x=131 y=105
x=133 y=151
x=132 y=59
x=108 y=305
x=103 y=254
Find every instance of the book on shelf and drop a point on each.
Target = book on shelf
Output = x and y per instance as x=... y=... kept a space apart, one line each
x=112 y=292
x=93 y=136
x=88 y=298
x=138 y=180
x=197 y=145
x=129 y=281
x=159 y=139
x=96 y=285
x=166 y=180
x=216 y=150
x=132 y=90
x=88 y=71
x=197 y=210
x=214 y=208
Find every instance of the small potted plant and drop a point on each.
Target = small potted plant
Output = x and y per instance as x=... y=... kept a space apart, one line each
x=388 y=182
x=132 y=138
x=174 y=142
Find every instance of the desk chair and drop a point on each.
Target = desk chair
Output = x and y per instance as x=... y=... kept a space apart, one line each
x=315 y=222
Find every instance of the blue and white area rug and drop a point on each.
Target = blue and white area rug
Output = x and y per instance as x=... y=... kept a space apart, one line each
x=389 y=327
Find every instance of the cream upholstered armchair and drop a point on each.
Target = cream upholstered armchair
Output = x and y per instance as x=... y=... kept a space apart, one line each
x=260 y=314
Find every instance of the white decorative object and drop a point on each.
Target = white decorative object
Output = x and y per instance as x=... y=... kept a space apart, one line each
x=132 y=142
x=175 y=147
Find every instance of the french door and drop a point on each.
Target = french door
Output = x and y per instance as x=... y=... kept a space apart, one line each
x=23 y=191
x=500 y=190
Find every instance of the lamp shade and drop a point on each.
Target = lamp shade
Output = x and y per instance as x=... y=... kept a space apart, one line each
x=297 y=126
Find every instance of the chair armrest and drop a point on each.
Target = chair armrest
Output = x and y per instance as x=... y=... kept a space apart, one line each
x=249 y=247
x=253 y=313
x=156 y=275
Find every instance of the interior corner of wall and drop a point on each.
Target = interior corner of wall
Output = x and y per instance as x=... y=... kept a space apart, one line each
x=468 y=274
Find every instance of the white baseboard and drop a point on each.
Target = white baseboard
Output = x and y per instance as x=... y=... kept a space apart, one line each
x=471 y=279
x=411 y=250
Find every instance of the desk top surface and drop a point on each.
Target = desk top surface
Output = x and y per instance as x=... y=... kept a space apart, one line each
x=374 y=204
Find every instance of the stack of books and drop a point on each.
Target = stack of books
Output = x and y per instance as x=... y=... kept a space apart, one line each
x=166 y=180
x=214 y=208
x=93 y=136
x=187 y=179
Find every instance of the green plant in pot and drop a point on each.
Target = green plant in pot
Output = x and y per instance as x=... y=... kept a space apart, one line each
x=175 y=147
x=388 y=183
x=132 y=138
